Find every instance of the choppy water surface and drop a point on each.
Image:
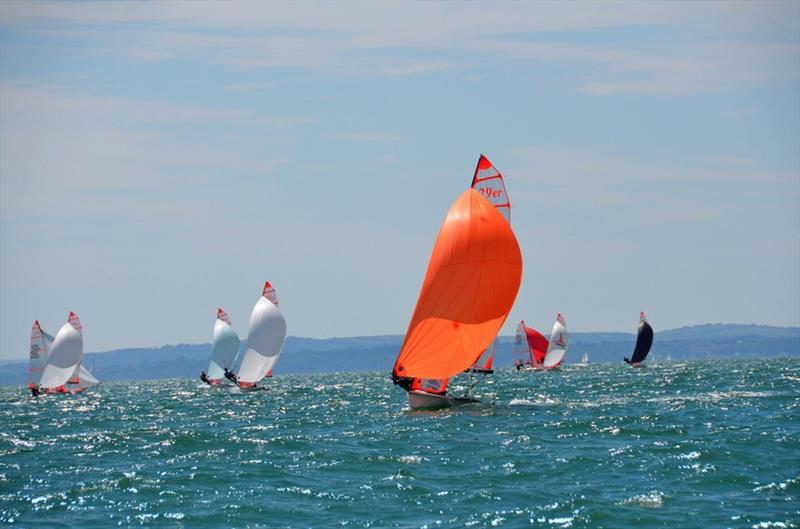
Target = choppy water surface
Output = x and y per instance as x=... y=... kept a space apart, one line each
x=694 y=444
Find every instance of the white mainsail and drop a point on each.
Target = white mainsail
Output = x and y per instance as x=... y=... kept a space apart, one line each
x=65 y=355
x=559 y=341
x=38 y=353
x=264 y=338
x=224 y=347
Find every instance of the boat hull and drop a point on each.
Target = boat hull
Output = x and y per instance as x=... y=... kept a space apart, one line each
x=423 y=399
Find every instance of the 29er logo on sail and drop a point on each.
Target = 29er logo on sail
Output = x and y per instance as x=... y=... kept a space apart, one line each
x=488 y=192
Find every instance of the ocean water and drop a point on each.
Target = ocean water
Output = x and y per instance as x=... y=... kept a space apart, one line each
x=693 y=444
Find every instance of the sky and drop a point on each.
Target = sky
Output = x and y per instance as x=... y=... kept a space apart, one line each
x=161 y=159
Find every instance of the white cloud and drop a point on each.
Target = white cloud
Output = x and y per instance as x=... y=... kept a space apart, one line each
x=714 y=45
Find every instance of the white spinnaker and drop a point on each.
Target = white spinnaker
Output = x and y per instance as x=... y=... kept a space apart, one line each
x=64 y=358
x=224 y=347
x=264 y=341
x=87 y=378
x=38 y=353
x=559 y=341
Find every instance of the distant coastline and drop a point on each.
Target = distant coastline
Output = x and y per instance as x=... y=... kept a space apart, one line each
x=376 y=353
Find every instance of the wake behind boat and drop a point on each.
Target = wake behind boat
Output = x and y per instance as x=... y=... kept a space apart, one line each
x=644 y=341
x=469 y=288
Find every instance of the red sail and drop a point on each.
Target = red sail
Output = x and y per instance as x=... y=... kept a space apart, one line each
x=538 y=344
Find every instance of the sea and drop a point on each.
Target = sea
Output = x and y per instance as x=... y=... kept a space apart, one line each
x=699 y=444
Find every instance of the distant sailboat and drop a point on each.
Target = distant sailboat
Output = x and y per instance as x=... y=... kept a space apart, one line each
x=264 y=340
x=584 y=360
x=40 y=346
x=530 y=347
x=533 y=351
x=224 y=347
x=644 y=340
x=483 y=366
x=559 y=342
x=63 y=371
x=469 y=288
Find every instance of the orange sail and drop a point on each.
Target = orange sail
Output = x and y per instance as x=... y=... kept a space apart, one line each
x=472 y=281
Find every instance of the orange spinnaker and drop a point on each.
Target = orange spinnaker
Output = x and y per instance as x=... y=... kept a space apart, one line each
x=472 y=281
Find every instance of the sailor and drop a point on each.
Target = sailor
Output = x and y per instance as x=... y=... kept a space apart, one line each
x=230 y=375
x=204 y=377
x=35 y=390
x=403 y=382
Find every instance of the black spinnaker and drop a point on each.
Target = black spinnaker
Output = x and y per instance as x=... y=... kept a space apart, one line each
x=644 y=341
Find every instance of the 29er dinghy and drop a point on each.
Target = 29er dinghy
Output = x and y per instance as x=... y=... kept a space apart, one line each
x=63 y=371
x=533 y=351
x=224 y=347
x=264 y=340
x=530 y=347
x=40 y=346
x=559 y=341
x=469 y=288
x=644 y=340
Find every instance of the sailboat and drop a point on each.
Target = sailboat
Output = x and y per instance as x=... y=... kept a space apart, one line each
x=533 y=351
x=584 y=360
x=489 y=182
x=530 y=348
x=264 y=340
x=63 y=371
x=40 y=345
x=224 y=347
x=644 y=340
x=559 y=342
x=469 y=288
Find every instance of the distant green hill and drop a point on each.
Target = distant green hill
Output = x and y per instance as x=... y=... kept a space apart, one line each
x=377 y=353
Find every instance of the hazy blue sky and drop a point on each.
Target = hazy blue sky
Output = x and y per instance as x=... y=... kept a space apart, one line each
x=159 y=160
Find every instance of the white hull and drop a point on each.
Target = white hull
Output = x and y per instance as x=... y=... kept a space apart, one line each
x=423 y=399
x=528 y=367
